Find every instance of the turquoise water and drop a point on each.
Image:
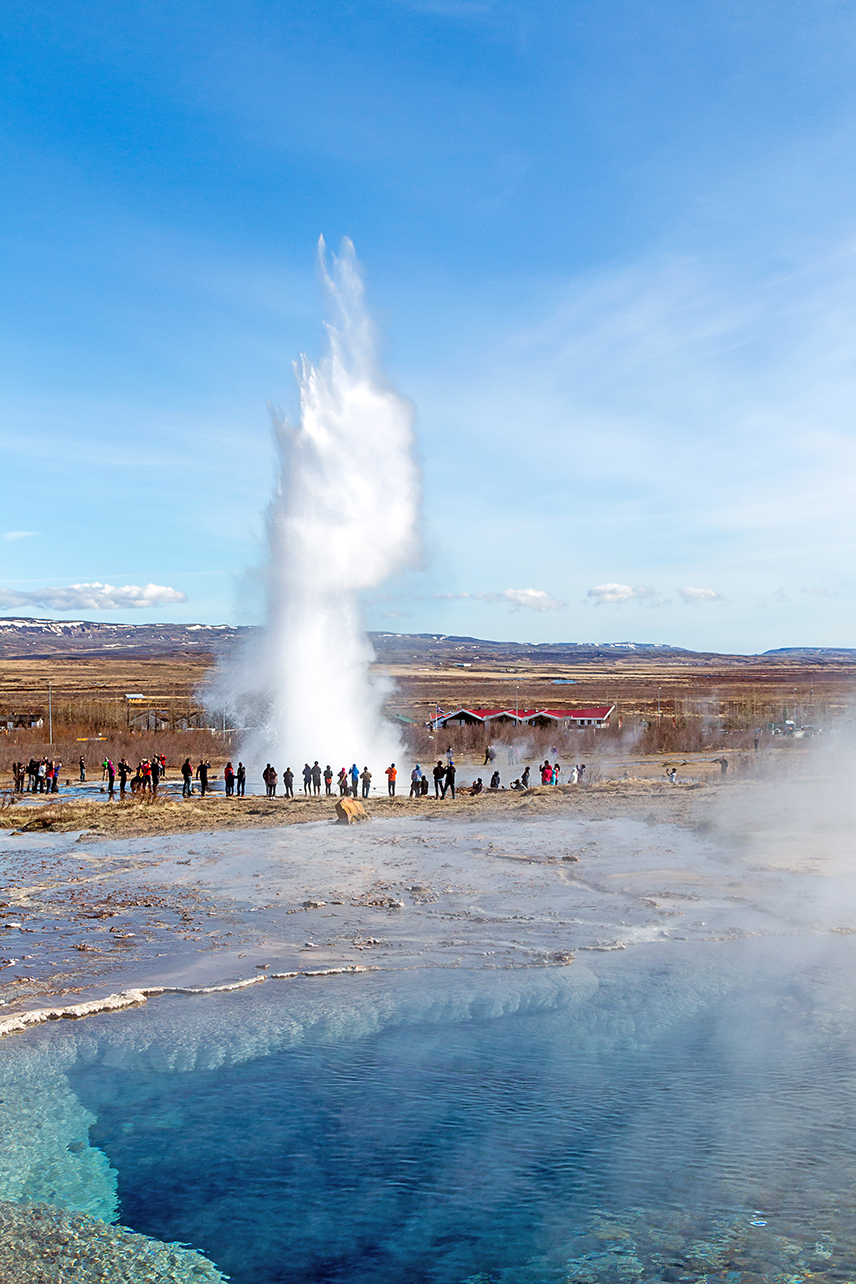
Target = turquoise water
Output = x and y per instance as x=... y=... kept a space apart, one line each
x=447 y=1128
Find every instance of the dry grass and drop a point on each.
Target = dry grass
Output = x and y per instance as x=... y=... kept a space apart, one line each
x=678 y=706
x=175 y=745
x=133 y=818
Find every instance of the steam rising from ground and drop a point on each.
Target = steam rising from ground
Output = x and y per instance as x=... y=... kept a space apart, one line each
x=343 y=517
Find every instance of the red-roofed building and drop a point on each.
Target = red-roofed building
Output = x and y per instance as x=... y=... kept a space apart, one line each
x=595 y=716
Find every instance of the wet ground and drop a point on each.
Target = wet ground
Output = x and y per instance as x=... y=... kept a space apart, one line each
x=526 y=882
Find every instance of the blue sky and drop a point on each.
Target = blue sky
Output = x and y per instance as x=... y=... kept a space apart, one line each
x=611 y=247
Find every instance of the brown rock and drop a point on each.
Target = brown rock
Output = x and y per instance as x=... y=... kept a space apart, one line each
x=349 y=811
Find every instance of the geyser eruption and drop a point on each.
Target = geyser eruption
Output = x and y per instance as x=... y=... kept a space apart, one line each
x=343 y=517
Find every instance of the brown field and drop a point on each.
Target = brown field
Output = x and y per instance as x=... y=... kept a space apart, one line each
x=662 y=705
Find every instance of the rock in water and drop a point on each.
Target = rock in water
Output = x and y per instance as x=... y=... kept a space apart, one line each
x=41 y=1245
x=349 y=811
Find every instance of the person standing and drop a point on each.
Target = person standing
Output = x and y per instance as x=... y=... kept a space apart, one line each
x=416 y=782
x=316 y=778
x=556 y=770
x=438 y=774
x=307 y=778
x=342 y=782
x=187 y=778
x=391 y=775
x=449 y=779
x=524 y=779
x=366 y=778
x=229 y=777
x=241 y=779
x=202 y=777
x=273 y=777
x=111 y=778
x=288 y=782
x=82 y=770
x=328 y=779
x=124 y=772
x=156 y=773
x=355 y=776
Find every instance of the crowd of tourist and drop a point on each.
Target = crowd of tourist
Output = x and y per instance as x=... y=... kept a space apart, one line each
x=351 y=782
x=36 y=776
x=43 y=777
x=144 y=779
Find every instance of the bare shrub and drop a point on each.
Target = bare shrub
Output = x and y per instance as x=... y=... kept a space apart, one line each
x=133 y=745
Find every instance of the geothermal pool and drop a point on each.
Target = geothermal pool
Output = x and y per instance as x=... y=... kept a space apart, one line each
x=675 y=1112
x=589 y=1050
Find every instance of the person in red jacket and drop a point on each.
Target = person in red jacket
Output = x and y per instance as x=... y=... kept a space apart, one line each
x=391 y=774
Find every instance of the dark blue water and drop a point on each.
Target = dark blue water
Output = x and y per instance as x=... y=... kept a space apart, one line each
x=443 y=1152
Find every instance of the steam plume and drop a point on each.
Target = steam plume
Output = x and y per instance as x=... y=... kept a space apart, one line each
x=343 y=517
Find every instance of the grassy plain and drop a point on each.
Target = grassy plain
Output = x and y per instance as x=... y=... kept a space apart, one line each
x=691 y=704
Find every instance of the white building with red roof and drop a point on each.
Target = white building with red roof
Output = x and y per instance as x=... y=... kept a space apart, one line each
x=596 y=716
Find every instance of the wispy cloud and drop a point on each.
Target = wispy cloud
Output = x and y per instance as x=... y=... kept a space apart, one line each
x=531 y=599
x=93 y=597
x=602 y=594
x=20 y=534
x=692 y=596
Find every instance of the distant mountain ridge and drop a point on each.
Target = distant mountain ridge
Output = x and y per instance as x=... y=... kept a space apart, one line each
x=28 y=637
x=25 y=637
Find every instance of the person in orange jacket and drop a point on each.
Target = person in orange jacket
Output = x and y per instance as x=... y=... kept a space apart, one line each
x=391 y=774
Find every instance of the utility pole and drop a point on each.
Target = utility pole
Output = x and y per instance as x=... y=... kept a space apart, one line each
x=50 y=715
x=658 y=706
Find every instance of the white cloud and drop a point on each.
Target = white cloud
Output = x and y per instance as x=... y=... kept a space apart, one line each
x=20 y=534
x=603 y=593
x=694 y=595
x=531 y=599
x=93 y=597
